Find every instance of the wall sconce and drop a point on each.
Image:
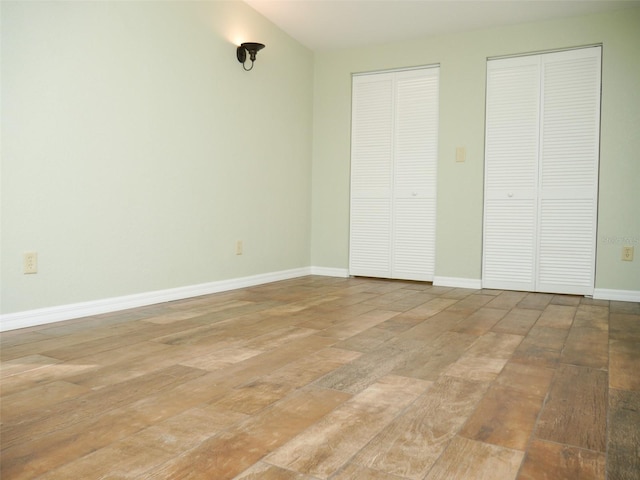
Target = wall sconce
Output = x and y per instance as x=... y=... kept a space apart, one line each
x=252 y=49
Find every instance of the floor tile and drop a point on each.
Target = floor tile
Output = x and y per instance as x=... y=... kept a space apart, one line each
x=229 y=453
x=552 y=461
x=624 y=359
x=575 y=412
x=471 y=367
x=536 y=301
x=264 y=471
x=625 y=326
x=412 y=443
x=329 y=444
x=495 y=345
x=132 y=456
x=553 y=338
x=470 y=304
x=432 y=326
x=435 y=356
x=542 y=346
x=308 y=368
x=358 y=472
x=369 y=367
x=517 y=322
x=38 y=397
x=557 y=316
x=367 y=340
x=470 y=460
x=528 y=379
x=26 y=364
x=625 y=307
x=624 y=435
x=254 y=396
x=588 y=347
x=506 y=300
x=94 y=403
x=357 y=324
x=431 y=307
x=480 y=321
x=571 y=300
x=592 y=316
x=504 y=417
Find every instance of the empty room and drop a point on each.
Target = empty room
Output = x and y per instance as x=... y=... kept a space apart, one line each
x=305 y=239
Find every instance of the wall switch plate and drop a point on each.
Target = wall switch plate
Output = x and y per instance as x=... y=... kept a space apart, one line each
x=461 y=154
x=30 y=262
x=239 y=247
x=627 y=254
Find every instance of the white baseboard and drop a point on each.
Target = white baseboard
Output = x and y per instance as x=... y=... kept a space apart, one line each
x=330 y=272
x=619 y=295
x=457 y=282
x=44 y=316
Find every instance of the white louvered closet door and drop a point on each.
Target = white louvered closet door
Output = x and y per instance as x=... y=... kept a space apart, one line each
x=544 y=239
x=511 y=173
x=415 y=162
x=371 y=175
x=393 y=174
x=569 y=154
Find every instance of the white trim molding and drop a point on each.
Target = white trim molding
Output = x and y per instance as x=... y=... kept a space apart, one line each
x=619 y=295
x=457 y=282
x=42 y=316
x=330 y=272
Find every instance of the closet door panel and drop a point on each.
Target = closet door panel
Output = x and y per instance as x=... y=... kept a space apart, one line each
x=415 y=171
x=414 y=239
x=370 y=237
x=508 y=244
x=569 y=171
x=566 y=251
x=511 y=171
x=371 y=176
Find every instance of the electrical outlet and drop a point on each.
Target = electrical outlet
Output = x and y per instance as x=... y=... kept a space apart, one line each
x=627 y=254
x=239 y=247
x=30 y=262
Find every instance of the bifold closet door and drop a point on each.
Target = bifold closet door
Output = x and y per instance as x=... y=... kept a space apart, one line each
x=393 y=174
x=511 y=173
x=541 y=172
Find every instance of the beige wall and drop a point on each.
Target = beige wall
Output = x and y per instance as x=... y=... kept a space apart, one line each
x=136 y=150
x=460 y=185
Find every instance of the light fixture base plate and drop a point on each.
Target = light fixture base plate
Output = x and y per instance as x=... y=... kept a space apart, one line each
x=241 y=54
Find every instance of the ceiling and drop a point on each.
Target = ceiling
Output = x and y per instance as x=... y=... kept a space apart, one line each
x=333 y=24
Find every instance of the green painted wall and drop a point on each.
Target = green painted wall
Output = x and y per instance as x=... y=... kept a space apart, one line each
x=136 y=150
x=460 y=185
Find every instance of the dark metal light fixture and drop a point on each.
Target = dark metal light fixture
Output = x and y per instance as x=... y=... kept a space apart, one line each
x=252 y=49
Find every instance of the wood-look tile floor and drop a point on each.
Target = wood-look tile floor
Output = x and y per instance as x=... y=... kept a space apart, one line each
x=329 y=378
